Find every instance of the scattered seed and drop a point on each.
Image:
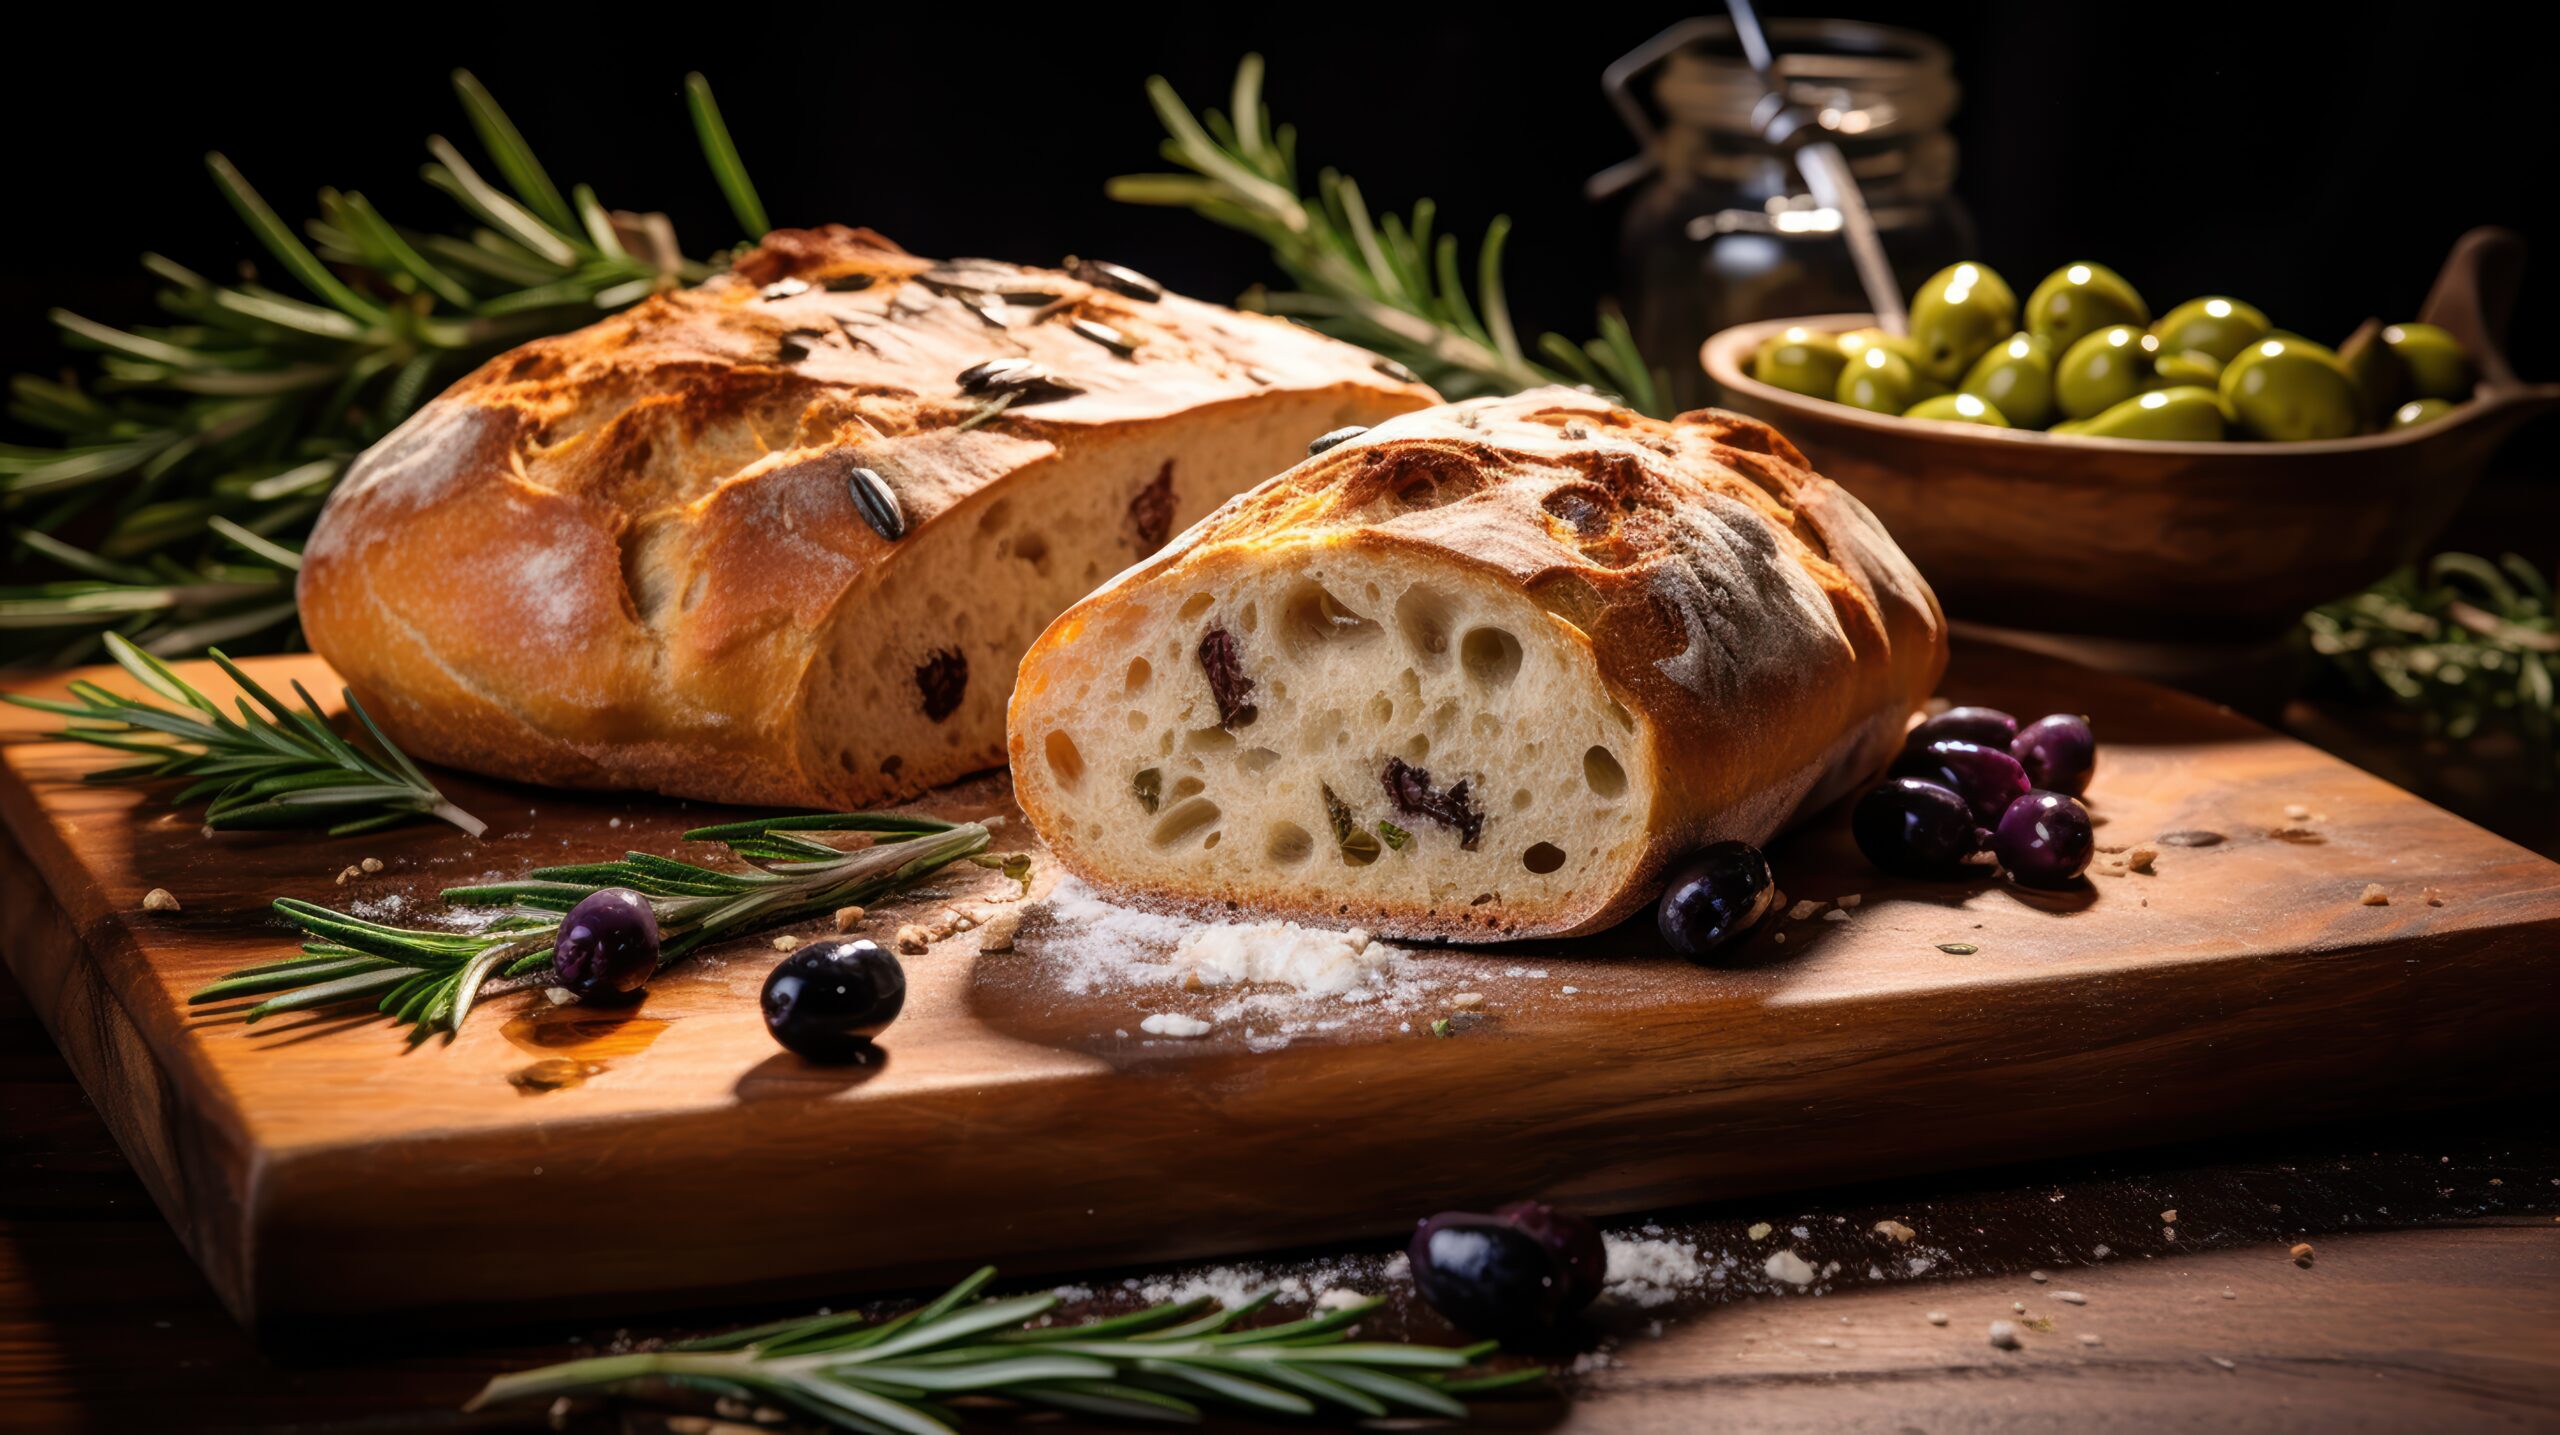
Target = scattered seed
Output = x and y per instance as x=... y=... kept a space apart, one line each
x=912 y=940
x=2169 y=1217
x=2141 y=858
x=1851 y=901
x=846 y=283
x=1027 y=382
x=2019 y=1306
x=2374 y=896
x=2298 y=836
x=2297 y=812
x=878 y=505
x=1467 y=1001
x=1125 y=282
x=351 y=871
x=2433 y=897
x=783 y=288
x=159 y=899
x=997 y=933
x=2071 y=1297
x=371 y=864
x=797 y=344
x=1936 y=1317
x=785 y=942
x=2038 y=1277
x=1895 y=1230
x=1396 y=371
x=2090 y=1338
x=2192 y=837
x=1334 y=437
x=1104 y=335
x=2301 y=1254
x=2004 y=1335
x=1803 y=909
x=1835 y=915
x=1958 y=949
x=2225 y=1364
x=1759 y=1231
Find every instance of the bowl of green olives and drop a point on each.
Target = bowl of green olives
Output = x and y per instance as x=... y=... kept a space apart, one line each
x=2077 y=463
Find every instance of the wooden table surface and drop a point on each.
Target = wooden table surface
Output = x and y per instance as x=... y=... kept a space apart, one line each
x=2433 y=1300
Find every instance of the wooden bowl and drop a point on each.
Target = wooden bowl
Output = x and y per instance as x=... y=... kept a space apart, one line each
x=2068 y=534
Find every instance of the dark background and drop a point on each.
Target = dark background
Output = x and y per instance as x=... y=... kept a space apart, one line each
x=2316 y=160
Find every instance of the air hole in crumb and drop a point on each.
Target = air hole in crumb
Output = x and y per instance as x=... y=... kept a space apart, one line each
x=1600 y=769
x=1209 y=739
x=1211 y=841
x=1382 y=709
x=1424 y=615
x=1521 y=799
x=1185 y=819
x=1416 y=748
x=1491 y=656
x=1141 y=672
x=1257 y=760
x=1137 y=721
x=1033 y=549
x=1187 y=787
x=1543 y=858
x=1195 y=605
x=1288 y=844
x=1065 y=763
x=1487 y=726
x=1313 y=616
x=1251 y=617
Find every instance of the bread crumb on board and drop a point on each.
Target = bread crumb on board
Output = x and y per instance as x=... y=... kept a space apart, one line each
x=2301 y=1254
x=2374 y=895
x=997 y=932
x=913 y=940
x=848 y=918
x=159 y=899
x=785 y=942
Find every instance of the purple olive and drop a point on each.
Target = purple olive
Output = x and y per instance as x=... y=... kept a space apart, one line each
x=1714 y=897
x=2045 y=839
x=1987 y=726
x=1915 y=828
x=2059 y=752
x=1516 y=1272
x=608 y=945
x=1987 y=778
x=1575 y=1241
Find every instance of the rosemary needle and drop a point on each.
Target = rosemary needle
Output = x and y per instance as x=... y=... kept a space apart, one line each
x=428 y=980
x=1384 y=282
x=1162 y=1364
x=269 y=766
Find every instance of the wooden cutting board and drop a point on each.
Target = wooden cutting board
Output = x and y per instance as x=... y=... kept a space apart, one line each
x=555 y=1160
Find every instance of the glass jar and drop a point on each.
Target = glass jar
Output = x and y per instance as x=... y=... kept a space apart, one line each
x=1721 y=231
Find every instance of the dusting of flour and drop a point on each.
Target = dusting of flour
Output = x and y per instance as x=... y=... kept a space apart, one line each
x=1271 y=980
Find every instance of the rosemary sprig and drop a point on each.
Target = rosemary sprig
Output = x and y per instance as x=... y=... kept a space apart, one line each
x=226 y=426
x=1164 y=1363
x=428 y=980
x=269 y=767
x=1387 y=283
x=2472 y=645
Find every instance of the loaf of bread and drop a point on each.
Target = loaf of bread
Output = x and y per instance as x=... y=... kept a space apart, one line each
x=783 y=537
x=1480 y=672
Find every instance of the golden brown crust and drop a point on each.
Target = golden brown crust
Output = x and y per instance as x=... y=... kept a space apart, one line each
x=615 y=557
x=1767 y=635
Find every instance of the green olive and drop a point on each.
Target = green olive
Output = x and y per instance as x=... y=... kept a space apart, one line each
x=2103 y=370
x=1801 y=361
x=2185 y=412
x=2185 y=368
x=1958 y=315
x=2215 y=325
x=1882 y=381
x=1958 y=408
x=2016 y=378
x=1858 y=341
x=2420 y=411
x=2438 y=366
x=2286 y=389
x=2380 y=375
x=2077 y=300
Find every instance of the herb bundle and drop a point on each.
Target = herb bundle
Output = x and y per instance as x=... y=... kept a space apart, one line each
x=179 y=478
x=2470 y=645
x=428 y=980
x=269 y=767
x=1387 y=283
x=1163 y=1363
